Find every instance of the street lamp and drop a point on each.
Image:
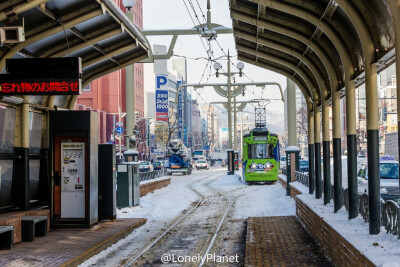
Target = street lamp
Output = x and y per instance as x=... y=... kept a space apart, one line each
x=128 y=4
x=240 y=66
x=217 y=66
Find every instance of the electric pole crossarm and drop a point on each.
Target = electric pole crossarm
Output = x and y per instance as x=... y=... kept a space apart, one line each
x=195 y=30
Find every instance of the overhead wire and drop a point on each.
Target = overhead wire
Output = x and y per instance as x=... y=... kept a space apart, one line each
x=195 y=26
x=201 y=10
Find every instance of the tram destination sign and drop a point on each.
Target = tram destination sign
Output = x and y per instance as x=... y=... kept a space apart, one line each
x=42 y=76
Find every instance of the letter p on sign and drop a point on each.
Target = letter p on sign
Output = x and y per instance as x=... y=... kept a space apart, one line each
x=161 y=81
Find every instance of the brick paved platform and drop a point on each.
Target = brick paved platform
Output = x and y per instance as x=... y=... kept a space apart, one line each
x=68 y=247
x=281 y=241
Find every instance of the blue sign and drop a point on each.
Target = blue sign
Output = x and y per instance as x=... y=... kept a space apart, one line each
x=161 y=82
x=119 y=130
x=180 y=110
x=225 y=129
x=162 y=105
x=206 y=147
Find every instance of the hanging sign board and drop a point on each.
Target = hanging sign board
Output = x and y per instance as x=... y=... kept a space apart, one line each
x=40 y=87
x=42 y=76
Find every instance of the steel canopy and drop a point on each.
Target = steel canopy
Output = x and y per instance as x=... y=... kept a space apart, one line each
x=97 y=31
x=285 y=35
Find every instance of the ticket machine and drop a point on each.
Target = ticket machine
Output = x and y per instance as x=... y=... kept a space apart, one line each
x=72 y=180
x=73 y=154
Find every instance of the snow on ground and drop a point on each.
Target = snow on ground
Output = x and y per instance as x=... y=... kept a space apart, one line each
x=165 y=203
x=385 y=252
x=160 y=208
x=256 y=200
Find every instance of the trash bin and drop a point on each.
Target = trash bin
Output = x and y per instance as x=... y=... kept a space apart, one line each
x=124 y=185
x=131 y=156
x=134 y=168
x=119 y=157
x=231 y=163
x=236 y=159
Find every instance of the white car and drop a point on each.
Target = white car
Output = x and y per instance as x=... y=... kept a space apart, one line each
x=145 y=166
x=201 y=164
x=389 y=174
x=283 y=162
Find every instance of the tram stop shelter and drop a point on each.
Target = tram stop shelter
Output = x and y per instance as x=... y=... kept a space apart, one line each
x=104 y=39
x=327 y=48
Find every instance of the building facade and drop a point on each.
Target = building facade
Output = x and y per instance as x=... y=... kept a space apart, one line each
x=107 y=94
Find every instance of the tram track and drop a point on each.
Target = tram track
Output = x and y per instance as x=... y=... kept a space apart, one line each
x=210 y=238
x=177 y=221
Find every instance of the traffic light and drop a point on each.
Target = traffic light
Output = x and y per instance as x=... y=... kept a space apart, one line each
x=384 y=113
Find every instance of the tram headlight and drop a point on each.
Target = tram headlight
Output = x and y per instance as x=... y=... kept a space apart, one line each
x=268 y=166
x=253 y=166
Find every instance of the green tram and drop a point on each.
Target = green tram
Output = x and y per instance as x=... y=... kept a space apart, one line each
x=261 y=156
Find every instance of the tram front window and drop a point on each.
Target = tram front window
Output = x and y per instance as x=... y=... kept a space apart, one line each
x=260 y=151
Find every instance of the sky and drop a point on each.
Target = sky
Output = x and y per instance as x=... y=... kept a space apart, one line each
x=172 y=14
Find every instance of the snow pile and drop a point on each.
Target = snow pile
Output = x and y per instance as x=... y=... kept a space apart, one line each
x=256 y=200
x=163 y=204
x=382 y=249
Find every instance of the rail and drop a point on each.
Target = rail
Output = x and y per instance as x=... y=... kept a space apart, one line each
x=144 y=176
x=390 y=210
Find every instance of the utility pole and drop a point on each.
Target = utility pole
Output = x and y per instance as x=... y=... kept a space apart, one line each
x=234 y=125
x=229 y=103
x=130 y=91
x=241 y=131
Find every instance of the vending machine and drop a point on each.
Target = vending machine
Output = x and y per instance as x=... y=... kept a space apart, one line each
x=72 y=180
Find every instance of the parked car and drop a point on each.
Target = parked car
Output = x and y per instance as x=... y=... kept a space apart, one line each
x=303 y=165
x=157 y=165
x=283 y=162
x=145 y=166
x=201 y=164
x=219 y=162
x=389 y=178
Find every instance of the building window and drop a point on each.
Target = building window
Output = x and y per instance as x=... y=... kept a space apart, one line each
x=87 y=88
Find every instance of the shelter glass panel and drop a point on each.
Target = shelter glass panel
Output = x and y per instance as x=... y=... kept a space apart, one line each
x=60 y=100
x=7 y=131
x=6 y=171
x=34 y=167
x=36 y=99
x=35 y=132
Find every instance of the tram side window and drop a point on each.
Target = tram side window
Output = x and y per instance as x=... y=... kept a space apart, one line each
x=260 y=151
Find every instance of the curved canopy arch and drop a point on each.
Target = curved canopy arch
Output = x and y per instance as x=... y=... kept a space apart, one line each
x=97 y=31
x=265 y=17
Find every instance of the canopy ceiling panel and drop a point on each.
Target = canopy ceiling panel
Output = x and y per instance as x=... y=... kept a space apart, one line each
x=285 y=31
x=294 y=24
x=95 y=30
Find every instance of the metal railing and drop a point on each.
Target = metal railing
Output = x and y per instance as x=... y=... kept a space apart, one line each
x=143 y=176
x=301 y=177
x=390 y=210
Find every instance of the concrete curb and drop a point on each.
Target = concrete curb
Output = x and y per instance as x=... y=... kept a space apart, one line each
x=103 y=245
